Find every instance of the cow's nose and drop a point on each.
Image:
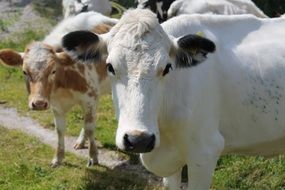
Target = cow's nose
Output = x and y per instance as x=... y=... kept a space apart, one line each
x=139 y=142
x=39 y=105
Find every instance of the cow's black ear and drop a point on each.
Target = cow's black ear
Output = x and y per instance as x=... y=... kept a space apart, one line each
x=82 y=45
x=192 y=50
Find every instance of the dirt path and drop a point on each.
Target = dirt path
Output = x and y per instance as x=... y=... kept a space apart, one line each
x=10 y=119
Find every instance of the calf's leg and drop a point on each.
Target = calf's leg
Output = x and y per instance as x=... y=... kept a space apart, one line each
x=59 y=120
x=80 y=142
x=89 y=132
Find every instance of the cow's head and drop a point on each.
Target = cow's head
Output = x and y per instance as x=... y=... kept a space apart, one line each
x=140 y=58
x=39 y=68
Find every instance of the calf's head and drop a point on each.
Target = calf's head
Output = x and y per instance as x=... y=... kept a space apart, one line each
x=140 y=55
x=39 y=68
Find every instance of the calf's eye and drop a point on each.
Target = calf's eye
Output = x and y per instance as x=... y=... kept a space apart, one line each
x=110 y=68
x=53 y=72
x=166 y=69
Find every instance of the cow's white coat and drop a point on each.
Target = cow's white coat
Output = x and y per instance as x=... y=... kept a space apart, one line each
x=83 y=21
x=224 y=7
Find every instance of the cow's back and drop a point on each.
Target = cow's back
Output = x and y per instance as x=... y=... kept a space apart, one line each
x=249 y=65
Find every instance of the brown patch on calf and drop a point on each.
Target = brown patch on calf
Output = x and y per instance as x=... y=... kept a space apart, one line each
x=81 y=68
x=101 y=70
x=101 y=29
x=101 y=67
x=71 y=79
x=11 y=58
x=65 y=60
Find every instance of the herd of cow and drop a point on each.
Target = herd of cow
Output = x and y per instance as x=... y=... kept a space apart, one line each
x=185 y=92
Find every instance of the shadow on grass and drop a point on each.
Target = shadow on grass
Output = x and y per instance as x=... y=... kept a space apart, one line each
x=101 y=178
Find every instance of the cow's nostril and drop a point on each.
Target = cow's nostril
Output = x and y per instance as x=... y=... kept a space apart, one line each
x=45 y=105
x=39 y=105
x=151 y=143
x=127 y=142
x=33 y=105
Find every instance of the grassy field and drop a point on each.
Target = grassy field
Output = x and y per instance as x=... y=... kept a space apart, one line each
x=27 y=165
x=24 y=165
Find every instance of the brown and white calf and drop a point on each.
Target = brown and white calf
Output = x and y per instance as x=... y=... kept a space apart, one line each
x=54 y=80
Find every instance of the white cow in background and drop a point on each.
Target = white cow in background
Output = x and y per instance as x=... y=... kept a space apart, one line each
x=74 y=7
x=83 y=21
x=177 y=103
x=169 y=8
x=223 y=7
x=159 y=7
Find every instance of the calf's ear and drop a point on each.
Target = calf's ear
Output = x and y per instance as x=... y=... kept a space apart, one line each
x=11 y=58
x=84 y=46
x=190 y=50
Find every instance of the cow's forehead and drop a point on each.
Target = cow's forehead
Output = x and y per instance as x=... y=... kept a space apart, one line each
x=138 y=39
x=138 y=26
x=38 y=56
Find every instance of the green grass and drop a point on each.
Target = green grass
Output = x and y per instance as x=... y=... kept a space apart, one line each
x=24 y=165
x=19 y=40
x=4 y=24
x=238 y=172
x=48 y=8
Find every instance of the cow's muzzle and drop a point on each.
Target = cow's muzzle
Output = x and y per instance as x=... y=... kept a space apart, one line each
x=139 y=142
x=39 y=105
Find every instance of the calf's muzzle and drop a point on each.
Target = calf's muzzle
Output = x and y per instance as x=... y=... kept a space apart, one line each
x=39 y=105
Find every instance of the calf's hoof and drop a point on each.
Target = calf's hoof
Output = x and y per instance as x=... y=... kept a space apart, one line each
x=92 y=162
x=78 y=146
x=55 y=163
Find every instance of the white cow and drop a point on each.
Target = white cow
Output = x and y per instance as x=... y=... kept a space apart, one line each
x=83 y=21
x=74 y=7
x=224 y=7
x=177 y=104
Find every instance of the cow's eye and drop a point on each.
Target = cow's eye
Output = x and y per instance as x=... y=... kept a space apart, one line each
x=24 y=72
x=166 y=70
x=110 y=68
x=53 y=72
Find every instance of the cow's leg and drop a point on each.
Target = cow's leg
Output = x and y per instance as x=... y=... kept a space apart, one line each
x=89 y=132
x=59 y=120
x=80 y=142
x=202 y=162
x=173 y=182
